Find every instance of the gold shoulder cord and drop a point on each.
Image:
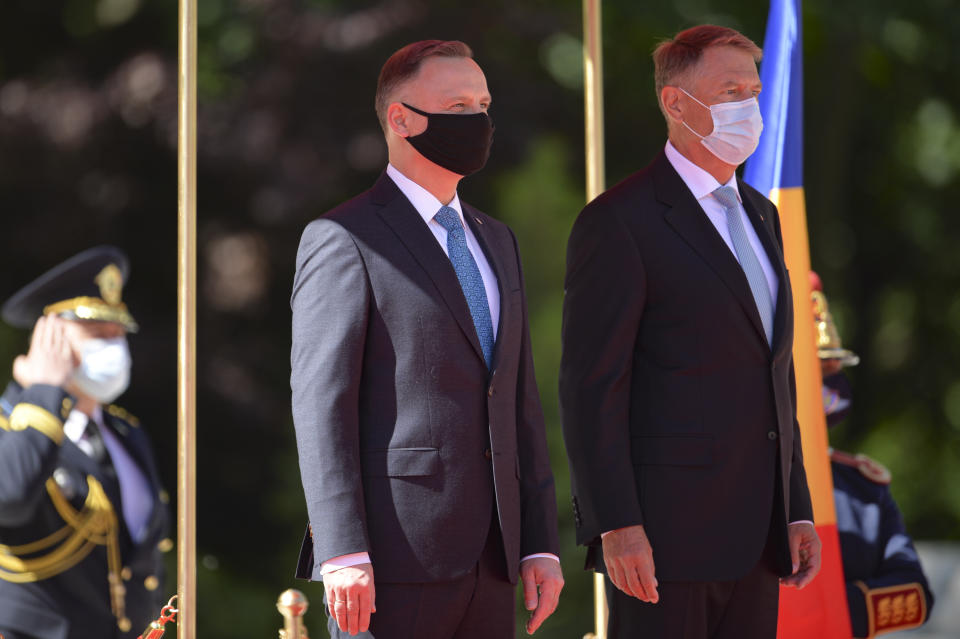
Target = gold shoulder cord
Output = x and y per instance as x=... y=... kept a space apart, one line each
x=94 y=525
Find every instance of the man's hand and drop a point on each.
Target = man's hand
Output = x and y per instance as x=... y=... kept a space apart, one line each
x=805 y=554
x=351 y=597
x=50 y=359
x=542 y=583
x=629 y=560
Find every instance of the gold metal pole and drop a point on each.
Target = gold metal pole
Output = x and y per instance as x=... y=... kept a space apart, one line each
x=593 y=97
x=596 y=183
x=186 y=321
x=293 y=605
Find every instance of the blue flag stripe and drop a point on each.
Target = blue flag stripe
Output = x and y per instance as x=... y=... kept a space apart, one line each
x=778 y=160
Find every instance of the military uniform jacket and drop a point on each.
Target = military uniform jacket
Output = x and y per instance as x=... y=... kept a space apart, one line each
x=60 y=520
x=886 y=587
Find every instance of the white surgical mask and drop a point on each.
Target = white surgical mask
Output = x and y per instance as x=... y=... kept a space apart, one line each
x=736 y=129
x=104 y=371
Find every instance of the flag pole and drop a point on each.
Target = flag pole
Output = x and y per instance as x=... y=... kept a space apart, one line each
x=186 y=319
x=593 y=97
x=596 y=183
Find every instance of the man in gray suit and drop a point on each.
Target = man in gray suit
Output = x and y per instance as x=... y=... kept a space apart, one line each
x=419 y=427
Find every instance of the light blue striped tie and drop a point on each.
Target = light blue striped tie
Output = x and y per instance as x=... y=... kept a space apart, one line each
x=727 y=197
x=470 y=280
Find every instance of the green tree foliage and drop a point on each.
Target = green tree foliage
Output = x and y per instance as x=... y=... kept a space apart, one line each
x=287 y=130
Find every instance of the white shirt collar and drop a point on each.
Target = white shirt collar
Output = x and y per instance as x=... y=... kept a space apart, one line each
x=421 y=199
x=76 y=423
x=700 y=183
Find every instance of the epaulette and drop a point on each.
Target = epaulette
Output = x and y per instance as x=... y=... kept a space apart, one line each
x=869 y=468
x=121 y=413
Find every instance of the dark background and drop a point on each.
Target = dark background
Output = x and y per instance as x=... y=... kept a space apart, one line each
x=287 y=130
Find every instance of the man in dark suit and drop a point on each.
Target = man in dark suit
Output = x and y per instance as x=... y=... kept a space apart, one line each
x=677 y=382
x=82 y=514
x=419 y=429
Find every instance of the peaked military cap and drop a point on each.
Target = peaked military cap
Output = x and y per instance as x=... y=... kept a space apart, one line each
x=88 y=286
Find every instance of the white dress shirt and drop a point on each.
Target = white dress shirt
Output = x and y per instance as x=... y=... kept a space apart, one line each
x=702 y=185
x=428 y=206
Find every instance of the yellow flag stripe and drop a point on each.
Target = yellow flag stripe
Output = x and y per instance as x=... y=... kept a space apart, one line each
x=813 y=427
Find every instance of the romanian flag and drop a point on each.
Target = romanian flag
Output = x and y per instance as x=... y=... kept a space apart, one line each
x=776 y=168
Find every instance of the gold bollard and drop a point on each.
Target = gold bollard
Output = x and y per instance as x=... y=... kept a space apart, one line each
x=292 y=604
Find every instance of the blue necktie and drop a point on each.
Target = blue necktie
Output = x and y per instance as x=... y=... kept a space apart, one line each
x=470 y=280
x=727 y=197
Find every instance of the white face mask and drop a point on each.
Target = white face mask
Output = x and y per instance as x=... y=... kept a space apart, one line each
x=736 y=129
x=104 y=371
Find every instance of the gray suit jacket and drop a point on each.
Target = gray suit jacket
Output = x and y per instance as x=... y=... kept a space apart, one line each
x=407 y=441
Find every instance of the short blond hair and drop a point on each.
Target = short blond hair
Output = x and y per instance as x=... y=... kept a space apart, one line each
x=673 y=58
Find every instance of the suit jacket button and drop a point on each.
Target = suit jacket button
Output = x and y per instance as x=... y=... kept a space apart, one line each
x=488 y=454
x=490 y=391
x=772 y=435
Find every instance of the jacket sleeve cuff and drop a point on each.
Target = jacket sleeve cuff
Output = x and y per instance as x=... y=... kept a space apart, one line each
x=891 y=608
x=545 y=555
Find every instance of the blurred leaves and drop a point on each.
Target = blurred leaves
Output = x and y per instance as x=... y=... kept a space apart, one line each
x=287 y=130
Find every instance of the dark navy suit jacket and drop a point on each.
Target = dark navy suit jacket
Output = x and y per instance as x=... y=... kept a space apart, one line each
x=677 y=413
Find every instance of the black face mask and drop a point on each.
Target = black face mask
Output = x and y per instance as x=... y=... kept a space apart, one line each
x=457 y=142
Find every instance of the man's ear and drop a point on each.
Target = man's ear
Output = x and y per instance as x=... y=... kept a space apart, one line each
x=397 y=119
x=670 y=99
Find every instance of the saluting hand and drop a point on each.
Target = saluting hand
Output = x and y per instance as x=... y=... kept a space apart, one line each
x=351 y=597
x=542 y=583
x=629 y=559
x=50 y=359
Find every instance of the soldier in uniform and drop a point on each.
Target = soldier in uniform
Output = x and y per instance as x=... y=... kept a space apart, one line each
x=886 y=587
x=82 y=516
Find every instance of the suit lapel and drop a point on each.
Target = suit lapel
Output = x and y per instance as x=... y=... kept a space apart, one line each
x=487 y=240
x=687 y=218
x=397 y=212
x=761 y=225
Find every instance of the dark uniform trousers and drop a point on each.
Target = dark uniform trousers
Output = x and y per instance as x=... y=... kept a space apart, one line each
x=478 y=605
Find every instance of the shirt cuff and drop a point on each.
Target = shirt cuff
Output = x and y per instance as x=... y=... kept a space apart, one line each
x=801 y=521
x=344 y=561
x=545 y=555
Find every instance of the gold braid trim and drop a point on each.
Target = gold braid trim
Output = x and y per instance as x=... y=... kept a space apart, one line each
x=94 y=525
x=31 y=416
x=95 y=309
